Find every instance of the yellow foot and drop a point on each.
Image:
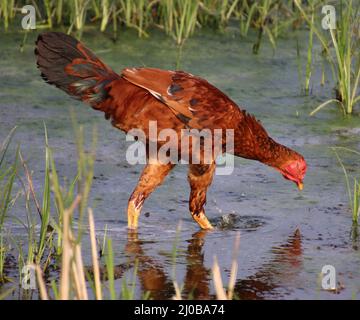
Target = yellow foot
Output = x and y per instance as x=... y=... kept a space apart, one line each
x=133 y=214
x=202 y=221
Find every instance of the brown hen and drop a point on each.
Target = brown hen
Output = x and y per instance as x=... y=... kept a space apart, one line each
x=175 y=100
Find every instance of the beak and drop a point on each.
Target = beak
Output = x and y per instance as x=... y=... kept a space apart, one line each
x=300 y=185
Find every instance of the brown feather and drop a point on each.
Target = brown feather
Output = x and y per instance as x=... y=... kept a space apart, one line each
x=174 y=99
x=192 y=99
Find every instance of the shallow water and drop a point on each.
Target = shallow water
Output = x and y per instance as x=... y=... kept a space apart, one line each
x=286 y=236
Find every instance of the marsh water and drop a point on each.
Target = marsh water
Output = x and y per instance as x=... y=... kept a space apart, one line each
x=287 y=236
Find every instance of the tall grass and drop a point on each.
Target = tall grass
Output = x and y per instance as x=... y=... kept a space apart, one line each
x=45 y=208
x=78 y=15
x=48 y=4
x=309 y=54
x=217 y=14
x=264 y=9
x=7 y=178
x=58 y=242
x=354 y=190
x=178 y=18
x=67 y=200
x=177 y=287
x=221 y=293
x=105 y=14
x=2 y=258
x=341 y=47
x=246 y=14
x=7 y=11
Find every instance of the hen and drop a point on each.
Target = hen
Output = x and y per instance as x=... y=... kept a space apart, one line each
x=175 y=100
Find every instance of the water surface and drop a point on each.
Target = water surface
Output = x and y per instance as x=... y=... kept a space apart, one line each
x=286 y=236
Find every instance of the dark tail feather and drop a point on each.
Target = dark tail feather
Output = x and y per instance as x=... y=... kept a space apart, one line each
x=70 y=66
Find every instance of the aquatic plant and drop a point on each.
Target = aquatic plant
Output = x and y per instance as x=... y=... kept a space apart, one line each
x=79 y=11
x=58 y=239
x=346 y=63
x=221 y=293
x=7 y=11
x=264 y=9
x=268 y=17
x=178 y=18
x=354 y=192
x=72 y=277
x=309 y=54
x=217 y=14
x=246 y=16
x=7 y=178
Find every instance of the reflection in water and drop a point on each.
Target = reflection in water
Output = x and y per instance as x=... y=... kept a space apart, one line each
x=152 y=276
x=197 y=278
x=285 y=264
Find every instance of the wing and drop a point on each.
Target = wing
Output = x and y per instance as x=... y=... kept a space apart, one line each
x=194 y=101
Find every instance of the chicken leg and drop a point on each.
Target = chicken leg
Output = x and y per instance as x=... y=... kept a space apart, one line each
x=151 y=177
x=200 y=177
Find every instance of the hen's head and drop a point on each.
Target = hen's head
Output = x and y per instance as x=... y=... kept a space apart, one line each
x=294 y=170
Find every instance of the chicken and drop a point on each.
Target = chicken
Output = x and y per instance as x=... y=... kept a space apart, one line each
x=175 y=100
